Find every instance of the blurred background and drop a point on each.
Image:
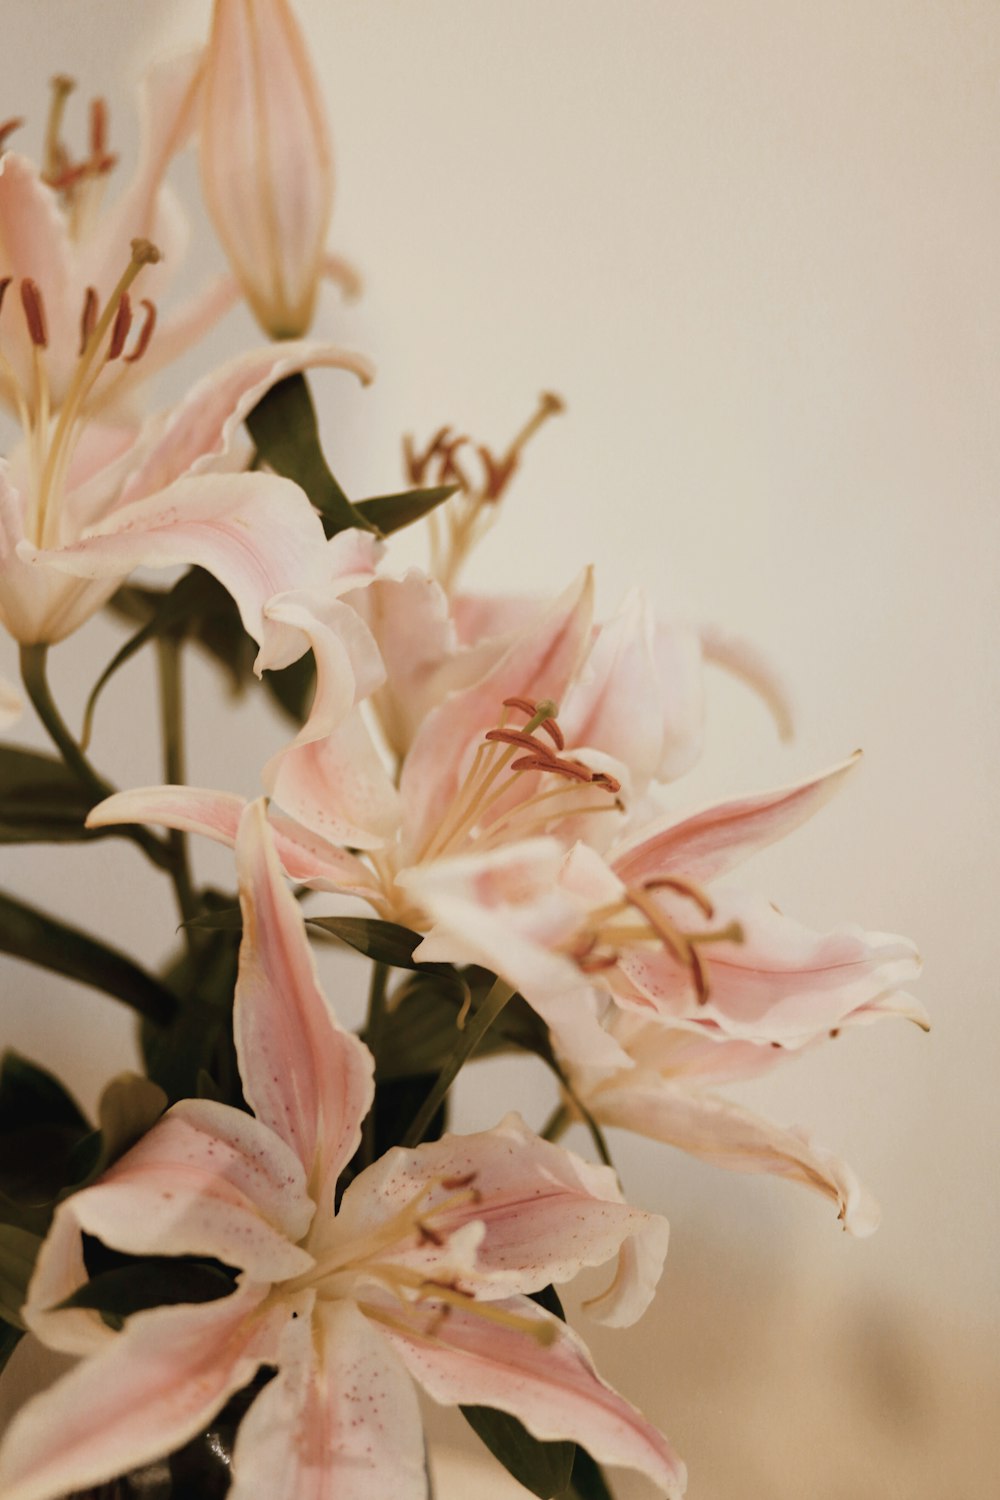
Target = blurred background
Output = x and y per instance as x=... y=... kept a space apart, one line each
x=754 y=247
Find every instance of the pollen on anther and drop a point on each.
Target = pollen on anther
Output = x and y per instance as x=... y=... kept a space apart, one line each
x=34 y=313
x=88 y=317
x=121 y=326
x=145 y=333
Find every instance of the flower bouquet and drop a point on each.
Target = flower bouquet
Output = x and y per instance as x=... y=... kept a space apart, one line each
x=269 y=1241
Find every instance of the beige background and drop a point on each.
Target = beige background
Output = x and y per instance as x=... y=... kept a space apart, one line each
x=755 y=247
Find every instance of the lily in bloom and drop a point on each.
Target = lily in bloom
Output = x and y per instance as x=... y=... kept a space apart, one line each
x=64 y=250
x=266 y=162
x=489 y=766
x=82 y=504
x=668 y=1094
x=639 y=923
x=423 y=1272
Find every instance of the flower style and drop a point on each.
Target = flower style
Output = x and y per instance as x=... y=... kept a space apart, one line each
x=266 y=163
x=425 y=1270
x=82 y=505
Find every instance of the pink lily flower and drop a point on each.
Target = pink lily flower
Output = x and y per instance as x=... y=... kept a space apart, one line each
x=423 y=1273
x=638 y=925
x=266 y=162
x=62 y=250
x=668 y=1095
x=81 y=506
x=486 y=803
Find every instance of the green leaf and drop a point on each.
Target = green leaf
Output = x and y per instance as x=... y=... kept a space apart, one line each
x=129 y=1106
x=587 y=1481
x=154 y=1281
x=40 y=939
x=40 y=1127
x=543 y=1468
x=30 y=1095
x=225 y=919
x=293 y=688
x=18 y=1251
x=41 y=800
x=197 y=608
x=283 y=426
x=10 y=1337
x=385 y=942
x=389 y=513
x=199 y=1039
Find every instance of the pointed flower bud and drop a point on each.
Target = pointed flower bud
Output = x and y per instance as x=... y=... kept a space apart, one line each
x=266 y=164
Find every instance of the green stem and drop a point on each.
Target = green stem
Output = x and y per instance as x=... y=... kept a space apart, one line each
x=471 y=1037
x=33 y=659
x=557 y=1124
x=168 y=657
x=33 y=674
x=373 y=1035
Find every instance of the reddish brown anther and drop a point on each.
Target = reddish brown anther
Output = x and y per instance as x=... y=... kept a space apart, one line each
x=518 y=737
x=7 y=129
x=34 y=313
x=88 y=317
x=607 y=781
x=683 y=888
x=4 y=284
x=120 y=327
x=429 y=1236
x=101 y=159
x=549 y=725
x=145 y=332
x=572 y=770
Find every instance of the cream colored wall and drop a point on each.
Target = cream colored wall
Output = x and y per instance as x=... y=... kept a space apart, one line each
x=755 y=246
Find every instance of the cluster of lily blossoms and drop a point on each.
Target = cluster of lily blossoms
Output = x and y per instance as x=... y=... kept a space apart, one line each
x=473 y=792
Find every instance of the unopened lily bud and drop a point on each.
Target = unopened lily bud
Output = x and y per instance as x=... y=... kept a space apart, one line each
x=266 y=164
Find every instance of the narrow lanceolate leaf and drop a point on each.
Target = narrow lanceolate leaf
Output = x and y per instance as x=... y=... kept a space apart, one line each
x=18 y=1252
x=156 y=1281
x=40 y=939
x=197 y=608
x=283 y=426
x=543 y=1468
x=41 y=801
x=389 y=513
x=129 y=1106
x=587 y=1481
x=385 y=942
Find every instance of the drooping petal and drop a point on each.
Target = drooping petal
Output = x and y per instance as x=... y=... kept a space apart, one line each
x=206 y=1180
x=266 y=163
x=341 y=1418
x=148 y=1392
x=553 y=1389
x=745 y=661
x=199 y=430
x=539 y=663
x=783 y=983
x=710 y=842
x=309 y=1081
x=727 y=1135
x=256 y=533
x=546 y=1212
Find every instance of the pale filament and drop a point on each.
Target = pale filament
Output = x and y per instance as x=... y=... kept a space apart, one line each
x=608 y=937
x=470 y=514
x=104 y=338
